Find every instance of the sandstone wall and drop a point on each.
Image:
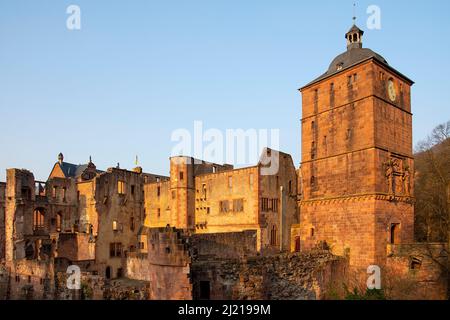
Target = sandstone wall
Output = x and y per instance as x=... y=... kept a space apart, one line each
x=417 y=271
x=2 y=219
x=279 y=277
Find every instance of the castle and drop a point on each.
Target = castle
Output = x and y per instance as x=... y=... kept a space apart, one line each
x=171 y=235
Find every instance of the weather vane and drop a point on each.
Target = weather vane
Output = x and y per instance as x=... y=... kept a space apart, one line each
x=354 y=13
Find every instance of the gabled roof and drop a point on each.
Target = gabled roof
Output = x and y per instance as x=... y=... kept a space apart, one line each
x=70 y=170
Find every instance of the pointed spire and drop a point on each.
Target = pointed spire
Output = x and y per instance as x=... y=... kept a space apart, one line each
x=90 y=159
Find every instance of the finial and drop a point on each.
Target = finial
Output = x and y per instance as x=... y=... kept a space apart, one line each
x=354 y=13
x=118 y=165
x=136 y=162
x=90 y=159
x=60 y=157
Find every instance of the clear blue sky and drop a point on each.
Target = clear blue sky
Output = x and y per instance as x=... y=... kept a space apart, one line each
x=137 y=70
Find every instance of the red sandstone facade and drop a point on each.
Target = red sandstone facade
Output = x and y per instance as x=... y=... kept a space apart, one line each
x=357 y=162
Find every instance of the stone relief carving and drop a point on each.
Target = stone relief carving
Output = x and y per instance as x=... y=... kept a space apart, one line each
x=398 y=177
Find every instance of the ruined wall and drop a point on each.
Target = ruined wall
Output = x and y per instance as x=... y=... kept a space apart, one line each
x=282 y=188
x=231 y=245
x=2 y=219
x=20 y=197
x=417 y=271
x=227 y=266
x=76 y=247
x=119 y=205
x=225 y=189
x=30 y=280
x=212 y=198
x=169 y=265
x=265 y=203
x=87 y=207
x=158 y=203
x=94 y=287
x=278 y=277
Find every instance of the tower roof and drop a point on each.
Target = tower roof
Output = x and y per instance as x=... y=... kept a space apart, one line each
x=353 y=29
x=354 y=55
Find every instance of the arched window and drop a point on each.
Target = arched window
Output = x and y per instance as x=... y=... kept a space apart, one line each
x=58 y=221
x=355 y=37
x=38 y=219
x=395 y=233
x=313 y=181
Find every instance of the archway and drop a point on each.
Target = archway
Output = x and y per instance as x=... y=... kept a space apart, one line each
x=395 y=233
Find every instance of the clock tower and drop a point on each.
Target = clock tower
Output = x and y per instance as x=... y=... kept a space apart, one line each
x=357 y=159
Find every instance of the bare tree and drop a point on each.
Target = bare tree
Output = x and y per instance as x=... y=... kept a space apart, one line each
x=432 y=181
x=432 y=188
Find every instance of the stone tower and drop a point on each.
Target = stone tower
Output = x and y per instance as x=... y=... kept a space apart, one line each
x=357 y=162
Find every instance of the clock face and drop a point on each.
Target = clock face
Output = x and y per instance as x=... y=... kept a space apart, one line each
x=391 y=90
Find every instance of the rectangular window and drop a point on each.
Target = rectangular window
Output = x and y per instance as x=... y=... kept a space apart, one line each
x=159 y=212
x=54 y=192
x=64 y=194
x=238 y=205
x=264 y=205
x=132 y=189
x=230 y=182
x=115 y=250
x=181 y=175
x=224 y=206
x=115 y=226
x=120 y=187
x=132 y=223
x=158 y=191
